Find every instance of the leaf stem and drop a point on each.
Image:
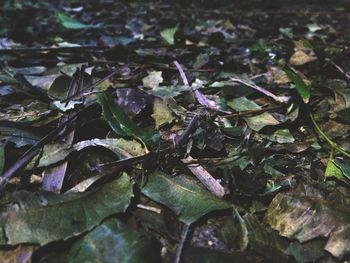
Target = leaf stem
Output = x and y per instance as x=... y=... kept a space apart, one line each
x=331 y=143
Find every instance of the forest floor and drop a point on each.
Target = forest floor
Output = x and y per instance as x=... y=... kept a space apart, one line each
x=160 y=132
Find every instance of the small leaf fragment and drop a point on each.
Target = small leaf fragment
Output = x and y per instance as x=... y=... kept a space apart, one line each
x=153 y=79
x=71 y=23
x=168 y=35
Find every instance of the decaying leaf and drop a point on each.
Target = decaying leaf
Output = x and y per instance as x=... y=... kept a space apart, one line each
x=305 y=215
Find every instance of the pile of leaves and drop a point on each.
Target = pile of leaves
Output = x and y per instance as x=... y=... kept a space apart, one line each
x=162 y=132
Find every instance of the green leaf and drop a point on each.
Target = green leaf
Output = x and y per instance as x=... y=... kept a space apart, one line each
x=256 y=122
x=168 y=35
x=71 y=23
x=300 y=85
x=41 y=219
x=182 y=195
x=112 y=242
x=333 y=170
x=121 y=124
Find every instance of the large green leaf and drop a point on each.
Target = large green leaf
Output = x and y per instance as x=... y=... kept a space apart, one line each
x=121 y=124
x=182 y=195
x=300 y=85
x=113 y=242
x=41 y=219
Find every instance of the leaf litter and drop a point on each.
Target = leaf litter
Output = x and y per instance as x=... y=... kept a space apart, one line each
x=194 y=131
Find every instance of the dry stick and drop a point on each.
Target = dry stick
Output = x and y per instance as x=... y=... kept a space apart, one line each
x=199 y=171
x=260 y=89
x=347 y=76
x=205 y=177
x=250 y=112
x=184 y=234
x=182 y=73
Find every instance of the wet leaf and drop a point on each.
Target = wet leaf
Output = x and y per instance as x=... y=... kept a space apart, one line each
x=182 y=195
x=111 y=242
x=50 y=217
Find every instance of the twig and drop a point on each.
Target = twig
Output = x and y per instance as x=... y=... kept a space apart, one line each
x=205 y=177
x=182 y=138
x=250 y=112
x=184 y=235
x=149 y=208
x=261 y=90
x=182 y=73
x=347 y=76
x=52 y=49
x=85 y=94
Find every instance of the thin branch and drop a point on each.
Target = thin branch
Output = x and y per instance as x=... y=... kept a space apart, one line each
x=182 y=73
x=204 y=177
x=261 y=90
x=252 y=112
x=184 y=235
x=85 y=94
